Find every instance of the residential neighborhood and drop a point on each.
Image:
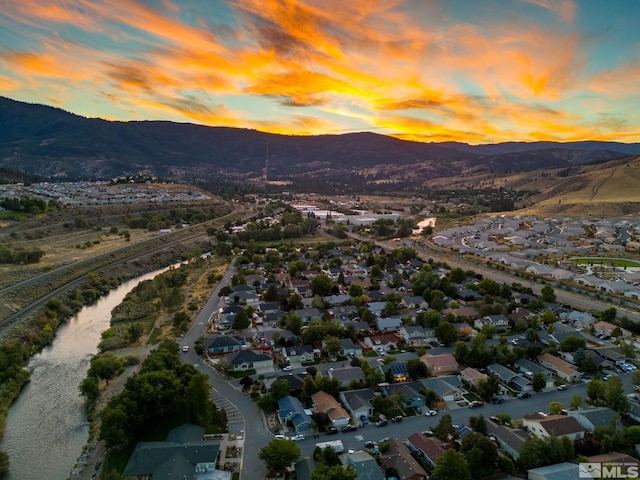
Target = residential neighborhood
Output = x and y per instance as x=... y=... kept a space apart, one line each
x=361 y=336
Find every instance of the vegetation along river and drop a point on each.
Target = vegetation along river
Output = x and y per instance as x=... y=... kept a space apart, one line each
x=46 y=427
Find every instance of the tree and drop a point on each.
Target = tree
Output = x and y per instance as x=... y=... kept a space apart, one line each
x=451 y=465
x=547 y=294
x=335 y=472
x=446 y=333
x=481 y=454
x=278 y=455
x=596 y=390
x=241 y=320
x=445 y=430
x=332 y=346
x=321 y=285
x=105 y=366
x=538 y=381
x=555 y=408
x=478 y=424
x=572 y=343
x=488 y=388
x=615 y=396
x=576 y=401
x=417 y=369
x=635 y=378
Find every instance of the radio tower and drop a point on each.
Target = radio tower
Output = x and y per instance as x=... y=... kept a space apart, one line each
x=266 y=165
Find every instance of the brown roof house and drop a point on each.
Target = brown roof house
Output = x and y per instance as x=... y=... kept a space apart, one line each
x=398 y=458
x=443 y=364
x=472 y=376
x=560 y=367
x=325 y=402
x=544 y=426
x=429 y=448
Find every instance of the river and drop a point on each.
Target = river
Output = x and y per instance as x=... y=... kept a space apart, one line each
x=46 y=428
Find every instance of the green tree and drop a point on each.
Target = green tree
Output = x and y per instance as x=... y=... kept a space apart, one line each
x=576 y=401
x=335 y=472
x=241 y=320
x=356 y=290
x=547 y=293
x=555 y=408
x=488 y=388
x=417 y=369
x=480 y=453
x=321 y=285
x=452 y=465
x=278 y=455
x=572 y=343
x=596 y=390
x=615 y=396
x=105 y=366
x=446 y=333
x=445 y=430
x=538 y=381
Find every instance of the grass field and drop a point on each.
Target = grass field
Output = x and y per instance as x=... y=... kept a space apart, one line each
x=618 y=262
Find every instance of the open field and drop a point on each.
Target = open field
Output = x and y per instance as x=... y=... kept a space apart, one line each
x=617 y=262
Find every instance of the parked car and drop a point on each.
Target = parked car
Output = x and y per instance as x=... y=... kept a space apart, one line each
x=281 y=437
x=382 y=423
x=382 y=440
x=288 y=368
x=562 y=387
x=298 y=437
x=331 y=431
x=397 y=419
x=430 y=413
x=370 y=444
x=349 y=428
x=185 y=348
x=523 y=395
x=497 y=400
x=476 y=404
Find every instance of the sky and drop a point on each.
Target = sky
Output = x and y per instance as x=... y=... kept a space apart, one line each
x=475 y=71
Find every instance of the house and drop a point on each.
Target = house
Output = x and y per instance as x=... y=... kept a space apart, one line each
x=593 y=417
x=409 y=393
x=300 y=353
x=385 y=341
x=389 y=324
x=358 y=402
x=545 y=426
x=443 y=364
x=221 y=344
x=228 y=315
x=447 y=388
x=472 y=376
x=504 y=374
x=561 y=368
x=429 y=448
x=499 y=322
x=365 y=466
x=343 y=313
x=290 y=410
x=558 y=471
x=629 y=466
x=398 y=457
x=347 y=375
x=308 y=315
x=414 y=302
x=463 y=312
x=612 y=354
x=397 y=370
x=417 y=336
x=184 y=454
x=268 y=307
x=510 y=440
x=304 y=468
x=579 y=319
x=350 y=348
x=605 y=328
x=326 y=403
x=245 y=360
x=529 y=368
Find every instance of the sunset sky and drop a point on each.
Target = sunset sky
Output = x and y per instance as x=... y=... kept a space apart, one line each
x=477 y=71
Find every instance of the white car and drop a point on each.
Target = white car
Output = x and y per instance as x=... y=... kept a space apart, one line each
x=430 y=413
x=298 y=437
x=288 y=368
x=185 y=348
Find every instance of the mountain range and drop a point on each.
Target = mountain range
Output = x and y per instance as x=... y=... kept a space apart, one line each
x=57 y=145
